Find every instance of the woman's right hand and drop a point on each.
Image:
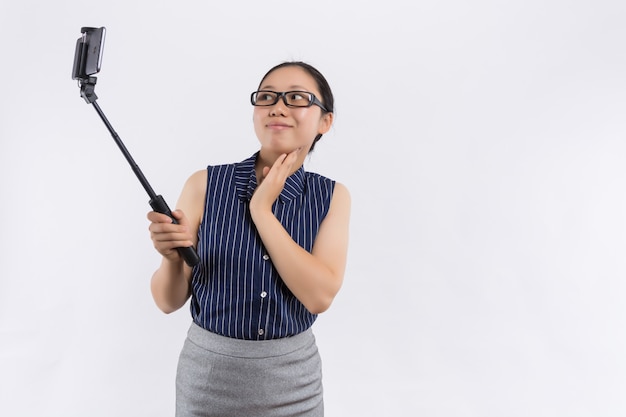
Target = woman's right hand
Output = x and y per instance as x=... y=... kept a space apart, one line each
x=167 y=236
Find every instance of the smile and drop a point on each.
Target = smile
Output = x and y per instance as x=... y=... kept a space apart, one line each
x=278 y=126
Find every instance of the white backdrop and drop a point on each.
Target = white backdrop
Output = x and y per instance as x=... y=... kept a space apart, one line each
x=483 y=143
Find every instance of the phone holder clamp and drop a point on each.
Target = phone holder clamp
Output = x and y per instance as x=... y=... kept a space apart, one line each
x=88 y=89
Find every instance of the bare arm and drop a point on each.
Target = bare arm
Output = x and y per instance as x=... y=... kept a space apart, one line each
x=316 y=277
x=170 y=283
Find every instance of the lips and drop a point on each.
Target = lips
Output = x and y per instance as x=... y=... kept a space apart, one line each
x=278 y=126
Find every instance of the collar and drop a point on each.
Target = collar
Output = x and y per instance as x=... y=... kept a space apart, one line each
x=246 y=182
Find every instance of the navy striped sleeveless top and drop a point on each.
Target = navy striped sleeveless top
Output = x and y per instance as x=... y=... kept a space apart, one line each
x=236 y=291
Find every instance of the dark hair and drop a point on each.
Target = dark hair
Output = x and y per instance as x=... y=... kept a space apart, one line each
x=322 y=85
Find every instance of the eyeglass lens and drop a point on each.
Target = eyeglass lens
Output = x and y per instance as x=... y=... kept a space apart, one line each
x=291 y=98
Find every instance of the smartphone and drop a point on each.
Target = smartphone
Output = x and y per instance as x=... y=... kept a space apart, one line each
x=88 y=54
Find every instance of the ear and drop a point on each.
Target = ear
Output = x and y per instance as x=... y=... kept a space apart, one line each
x=326 y=122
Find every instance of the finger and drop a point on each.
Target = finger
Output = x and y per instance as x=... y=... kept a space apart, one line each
x=279 y=161
x=156 y=217
x=180 y=217
x=294 y=154
x=162 y=228
x=171 y=241
x=285 y=162
x=292 y=158
x=170 y=247
x=274 y=169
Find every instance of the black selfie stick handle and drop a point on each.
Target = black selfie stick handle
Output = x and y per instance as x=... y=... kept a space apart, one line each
x=158 y=204
x=189 y=254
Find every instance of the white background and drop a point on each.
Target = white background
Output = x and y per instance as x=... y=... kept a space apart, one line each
x=483 y=143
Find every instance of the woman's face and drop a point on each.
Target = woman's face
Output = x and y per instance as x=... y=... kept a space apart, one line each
x=281 y=129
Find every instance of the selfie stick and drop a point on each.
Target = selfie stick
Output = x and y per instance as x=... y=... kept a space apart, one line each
x=84 y=50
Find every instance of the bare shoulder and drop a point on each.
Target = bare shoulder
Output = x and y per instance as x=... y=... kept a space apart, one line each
x=195 y=187
x=341 y=198
x=191 y=199
x=331 y=243
x=338 y=215
x=197 y=180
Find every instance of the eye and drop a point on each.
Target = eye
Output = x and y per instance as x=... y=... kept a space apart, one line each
x=298 y=98
x=263 y=97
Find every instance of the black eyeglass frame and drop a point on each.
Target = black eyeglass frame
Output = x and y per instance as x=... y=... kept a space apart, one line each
x=313 y=100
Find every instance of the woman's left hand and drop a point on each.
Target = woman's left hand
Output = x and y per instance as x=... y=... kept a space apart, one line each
x=272 y=181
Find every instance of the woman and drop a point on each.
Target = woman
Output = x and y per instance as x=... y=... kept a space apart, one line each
x=273 y=241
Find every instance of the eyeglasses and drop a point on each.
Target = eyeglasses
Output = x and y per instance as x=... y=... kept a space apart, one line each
x=290 y=98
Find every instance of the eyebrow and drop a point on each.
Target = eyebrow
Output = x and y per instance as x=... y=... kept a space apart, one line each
x=291 y=88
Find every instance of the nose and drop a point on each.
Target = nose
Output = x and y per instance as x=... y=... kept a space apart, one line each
x=278 y=109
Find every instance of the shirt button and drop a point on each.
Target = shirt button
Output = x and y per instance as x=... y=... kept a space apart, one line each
x=266 y=257
x=263 y=294
x=261 y=332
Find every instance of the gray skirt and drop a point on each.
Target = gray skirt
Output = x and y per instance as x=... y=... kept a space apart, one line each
x=222 y=376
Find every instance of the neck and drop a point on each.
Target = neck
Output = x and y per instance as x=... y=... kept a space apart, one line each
x=267 y=159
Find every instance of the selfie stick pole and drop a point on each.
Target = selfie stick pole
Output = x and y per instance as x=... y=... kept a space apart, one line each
x=157 y=202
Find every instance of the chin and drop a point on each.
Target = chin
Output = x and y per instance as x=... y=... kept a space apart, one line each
x=280 y=146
